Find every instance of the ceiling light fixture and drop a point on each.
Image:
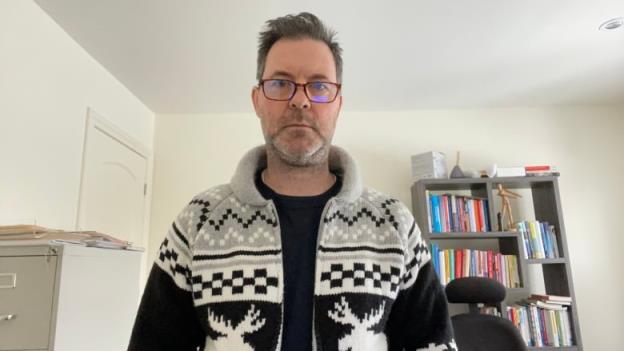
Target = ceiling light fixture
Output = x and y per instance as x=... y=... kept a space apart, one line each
x=612 y=24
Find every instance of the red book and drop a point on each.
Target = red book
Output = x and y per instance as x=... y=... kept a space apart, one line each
x=496 y=268
x=490 y=264
x=542 y=168
x=512 y=316
x=458 y=263
x=477 y=211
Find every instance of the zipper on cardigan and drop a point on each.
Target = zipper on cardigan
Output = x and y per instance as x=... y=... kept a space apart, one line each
x=329 y=204
x=279 y=237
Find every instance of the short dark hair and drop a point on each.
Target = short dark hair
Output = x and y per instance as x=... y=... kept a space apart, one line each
x=302 y=26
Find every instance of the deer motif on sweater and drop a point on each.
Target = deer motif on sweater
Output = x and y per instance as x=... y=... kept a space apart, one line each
x=232 y=338
x=362 y=333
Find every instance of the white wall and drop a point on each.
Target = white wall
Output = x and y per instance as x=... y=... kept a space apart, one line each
x=194 y=152
x=47 y=81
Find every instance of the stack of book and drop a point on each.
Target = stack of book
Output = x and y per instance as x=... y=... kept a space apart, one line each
x=539 y=239
x=458 y=263
x=541 y=170
x=457 y=213
x=543 y=320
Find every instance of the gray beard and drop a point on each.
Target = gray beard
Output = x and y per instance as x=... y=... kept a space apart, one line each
x=302 y=159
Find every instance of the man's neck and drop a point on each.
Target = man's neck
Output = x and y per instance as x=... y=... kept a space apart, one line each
x=297 y=181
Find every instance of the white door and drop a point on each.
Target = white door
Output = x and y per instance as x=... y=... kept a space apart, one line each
x=113 y=188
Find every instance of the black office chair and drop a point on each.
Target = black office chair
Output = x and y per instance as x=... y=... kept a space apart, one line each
x=481 y=332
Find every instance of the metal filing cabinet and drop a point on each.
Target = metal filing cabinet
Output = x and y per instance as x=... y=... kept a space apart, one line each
x=67 y=297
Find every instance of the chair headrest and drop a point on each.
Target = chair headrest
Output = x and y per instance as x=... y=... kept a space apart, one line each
x=475 y=290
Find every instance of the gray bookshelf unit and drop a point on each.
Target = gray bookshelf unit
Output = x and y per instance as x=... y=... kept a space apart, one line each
x=547 y=207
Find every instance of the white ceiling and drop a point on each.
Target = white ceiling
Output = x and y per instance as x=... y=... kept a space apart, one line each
x=199 y=56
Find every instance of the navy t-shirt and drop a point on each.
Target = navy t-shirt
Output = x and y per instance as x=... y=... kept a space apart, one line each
x=299 y=219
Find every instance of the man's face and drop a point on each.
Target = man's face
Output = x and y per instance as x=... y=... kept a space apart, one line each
x=298 y=131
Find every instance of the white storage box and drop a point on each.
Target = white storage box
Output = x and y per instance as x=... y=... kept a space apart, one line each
x=428 y=165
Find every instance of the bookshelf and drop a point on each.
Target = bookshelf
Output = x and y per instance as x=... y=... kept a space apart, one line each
x=542 y=203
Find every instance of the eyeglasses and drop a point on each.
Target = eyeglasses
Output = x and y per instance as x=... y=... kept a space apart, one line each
x=284 y=90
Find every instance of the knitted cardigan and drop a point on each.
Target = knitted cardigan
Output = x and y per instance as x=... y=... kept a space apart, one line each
x=217 y=283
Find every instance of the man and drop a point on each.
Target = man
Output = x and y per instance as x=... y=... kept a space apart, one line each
x=294 y=254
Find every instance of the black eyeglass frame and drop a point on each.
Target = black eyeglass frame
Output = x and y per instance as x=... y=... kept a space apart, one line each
x=305 y=90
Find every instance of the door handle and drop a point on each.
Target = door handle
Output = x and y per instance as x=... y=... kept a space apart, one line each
x=7 y=317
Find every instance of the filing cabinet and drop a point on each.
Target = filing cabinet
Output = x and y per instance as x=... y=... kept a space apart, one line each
x=67 y=297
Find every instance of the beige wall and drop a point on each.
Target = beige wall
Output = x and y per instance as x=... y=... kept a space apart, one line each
x=47 y=81
x=194 y=152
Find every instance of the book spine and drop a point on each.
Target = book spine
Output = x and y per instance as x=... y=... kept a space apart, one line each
x=473 y=263
x=486 y=211
x=435 y=208
x=496 y=268
x=477 y=211
x=539 y=252
x=554 y=241
x=453 y=213
x=525 y=229
x=545 y=239
x=555 y=328
x=549 y=329
x=436 y=260
x=540 y=239
x=505 y=271
x=458 y=263
x=568 y=328
x=441 y=255
x=526 y=332
x=473 y=224
x=429 y=207
x=514 y=271
x=447 y=265
x=542 y=320
x=451 y=253
x=542 y=168
x=520 y=228
x=445 y=214
x=490 y=264
x=536 y=327
x=482 y=217
x=466 y=254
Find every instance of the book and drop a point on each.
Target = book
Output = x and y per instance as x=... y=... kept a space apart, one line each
x=471 y=215
x=458 y=263
x=552 y=298
x=429 y=219
x=477 y=211
x=20 y=231
x=435 y=208
x=510 y=172
x=486 y=211
x=554 y=241
x=444 y=212
x=541 y=170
